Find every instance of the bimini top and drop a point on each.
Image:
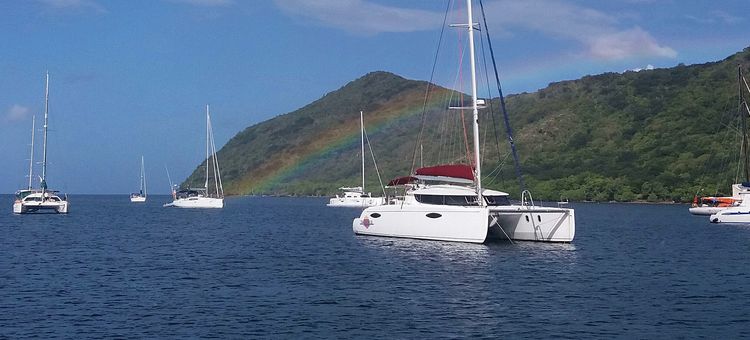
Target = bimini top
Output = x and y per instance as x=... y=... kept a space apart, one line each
x=456 y=173
x=454 y=190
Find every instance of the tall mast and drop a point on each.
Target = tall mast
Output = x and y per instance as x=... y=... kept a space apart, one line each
x=475 y=123
x=44 y=145
x=207 y=146
x=31 y=158
x=743 y=115
x=362 y=133
x=143 y=178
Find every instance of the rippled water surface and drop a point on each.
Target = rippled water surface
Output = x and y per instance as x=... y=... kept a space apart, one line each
x=290 y=267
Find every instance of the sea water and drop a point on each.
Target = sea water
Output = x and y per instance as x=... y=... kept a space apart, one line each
x=292 y=268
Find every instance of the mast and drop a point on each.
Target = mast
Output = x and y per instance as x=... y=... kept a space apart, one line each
x=207 y=147
x=362 y=133
x=44 y=143
x=31 y=158
x=745 y=151
x=475 y=110
x=143 y=179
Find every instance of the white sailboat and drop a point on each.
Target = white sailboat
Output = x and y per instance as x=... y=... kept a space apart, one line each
x=140 y=196
x=203 y=197
x=355 y=197
x=457 y=212
x=713 y=205
x=33 y=200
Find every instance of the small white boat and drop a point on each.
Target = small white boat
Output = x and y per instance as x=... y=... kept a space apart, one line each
x=203 y=197
x=355 y=197
x=195 y=198
x=140 y=196
x=709 y=205
x=737 y=214
x=40 y=200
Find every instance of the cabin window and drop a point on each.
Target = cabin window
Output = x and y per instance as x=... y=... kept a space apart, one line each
x=497 y=200
x=446 y=200
x=429 y=199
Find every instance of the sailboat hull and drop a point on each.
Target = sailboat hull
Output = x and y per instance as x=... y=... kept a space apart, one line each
x=355 y=202
x=197 y=202
x=137 y=199
x=443 y=223
x=531 y=223
x=60 y=207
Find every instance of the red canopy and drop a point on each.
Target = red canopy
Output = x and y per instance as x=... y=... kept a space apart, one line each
x=450 y=170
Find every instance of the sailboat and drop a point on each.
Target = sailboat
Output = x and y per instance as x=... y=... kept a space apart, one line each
x=31 y=200
x=448 y=203
x=712 y=205
x=739 y=210
x=140 y=196
x=355 y=197
x=203 y=197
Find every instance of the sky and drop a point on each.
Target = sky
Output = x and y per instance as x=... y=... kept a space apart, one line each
x=132 y=77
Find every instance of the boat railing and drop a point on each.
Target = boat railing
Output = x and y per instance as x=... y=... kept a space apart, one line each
x=526 y=198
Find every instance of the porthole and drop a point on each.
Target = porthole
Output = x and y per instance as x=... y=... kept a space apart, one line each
x=527 y=218
x=374 y=215
x=539 y=217
x=434 y=215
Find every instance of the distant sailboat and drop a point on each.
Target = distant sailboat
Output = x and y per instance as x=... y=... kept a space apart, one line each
x=32 y=200
x=140 y=196
x=203 y=197
x=355 y=197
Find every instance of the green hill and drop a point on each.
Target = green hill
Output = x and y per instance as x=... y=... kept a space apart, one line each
x=655 y=135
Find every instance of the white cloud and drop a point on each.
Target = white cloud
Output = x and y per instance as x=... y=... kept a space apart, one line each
x=623 y=44
x=16 y=113
x=206 y=3
x=360 y=16
x=597 y=31
x=600 y=34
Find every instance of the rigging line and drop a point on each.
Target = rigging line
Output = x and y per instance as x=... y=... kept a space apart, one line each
x=497 y=170
x=489 y=100
x=462 y=115
x=374 y=162
x=508 y=128
x=743 y=151
x=427 y=90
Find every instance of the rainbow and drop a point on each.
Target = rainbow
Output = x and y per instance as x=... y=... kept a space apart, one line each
x=293 y=163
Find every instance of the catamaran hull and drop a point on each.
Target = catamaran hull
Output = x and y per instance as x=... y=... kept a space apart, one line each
x=356 y=203
x=197 y=202
x=456 y=224
x=733 y=215
x=33 y=207
x=529 y=223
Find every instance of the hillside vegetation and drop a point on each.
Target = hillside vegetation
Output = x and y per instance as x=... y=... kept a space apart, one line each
x=655 y=135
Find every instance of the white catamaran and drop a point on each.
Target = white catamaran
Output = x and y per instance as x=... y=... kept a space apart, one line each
x=31 y=200
x=355 y=197
x=463 y=210
x=203 y=197
x=140 y=196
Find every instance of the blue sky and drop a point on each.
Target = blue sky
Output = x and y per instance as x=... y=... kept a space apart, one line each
x=133 y=77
